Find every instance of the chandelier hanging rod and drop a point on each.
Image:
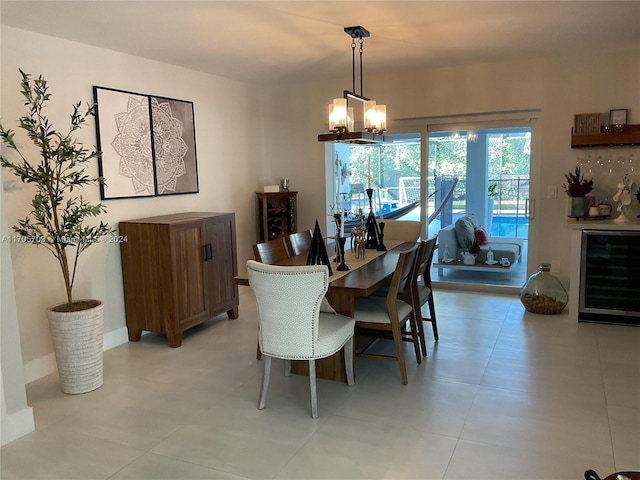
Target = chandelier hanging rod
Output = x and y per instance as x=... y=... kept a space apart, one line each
x=360 y=33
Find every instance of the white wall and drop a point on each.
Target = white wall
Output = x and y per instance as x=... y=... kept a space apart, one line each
x=558 y=87
x=16 y=416
x=231 y=167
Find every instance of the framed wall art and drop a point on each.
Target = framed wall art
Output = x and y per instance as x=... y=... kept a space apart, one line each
x=618 y=116
x=148 y=144
x=586 y=123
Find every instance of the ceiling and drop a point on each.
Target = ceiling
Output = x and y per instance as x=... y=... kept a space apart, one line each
x=272 y=41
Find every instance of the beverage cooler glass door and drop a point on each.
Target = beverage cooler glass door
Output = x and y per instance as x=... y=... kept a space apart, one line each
x=610 y=277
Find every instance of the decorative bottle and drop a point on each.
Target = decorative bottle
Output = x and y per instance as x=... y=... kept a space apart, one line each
x=543 y=293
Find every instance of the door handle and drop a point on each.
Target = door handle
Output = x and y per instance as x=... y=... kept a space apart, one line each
x=530 y=208
x=209 y=250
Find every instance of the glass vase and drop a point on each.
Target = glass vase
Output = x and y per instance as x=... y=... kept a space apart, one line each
x=543 y=293
x=577 y=206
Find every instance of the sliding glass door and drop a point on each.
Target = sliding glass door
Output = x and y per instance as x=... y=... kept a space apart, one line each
x=491 y=169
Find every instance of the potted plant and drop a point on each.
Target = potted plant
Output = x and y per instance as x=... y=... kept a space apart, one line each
x=492 y=194
x=577 y=188
x=57 y=222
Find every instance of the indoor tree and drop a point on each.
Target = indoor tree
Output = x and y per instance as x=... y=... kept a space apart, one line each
x=58 y=218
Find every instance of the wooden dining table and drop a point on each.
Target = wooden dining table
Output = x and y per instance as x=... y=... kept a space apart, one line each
x=363 y=278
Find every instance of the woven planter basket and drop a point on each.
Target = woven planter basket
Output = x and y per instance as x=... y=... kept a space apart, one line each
x=77 y=340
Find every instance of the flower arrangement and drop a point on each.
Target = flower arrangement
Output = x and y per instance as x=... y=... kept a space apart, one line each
x=577 y=185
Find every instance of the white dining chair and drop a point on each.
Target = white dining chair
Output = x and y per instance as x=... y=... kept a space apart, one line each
x=292 y=325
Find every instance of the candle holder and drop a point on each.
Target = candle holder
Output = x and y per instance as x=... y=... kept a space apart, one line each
x=372 y=230
x=381 y=247
x=343 y=266
x=338 y=219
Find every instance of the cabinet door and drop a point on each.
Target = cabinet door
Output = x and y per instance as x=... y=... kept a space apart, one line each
x=221 y=266
x=191 y=299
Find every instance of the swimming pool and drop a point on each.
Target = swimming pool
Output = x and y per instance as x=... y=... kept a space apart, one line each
x=510 y=226
x=504 y=225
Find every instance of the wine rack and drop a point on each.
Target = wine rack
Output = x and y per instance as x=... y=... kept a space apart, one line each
x=277 y=215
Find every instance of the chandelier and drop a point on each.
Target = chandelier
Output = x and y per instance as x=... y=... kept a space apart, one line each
x=341 y=116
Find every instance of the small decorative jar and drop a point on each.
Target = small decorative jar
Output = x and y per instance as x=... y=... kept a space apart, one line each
x=543 y=293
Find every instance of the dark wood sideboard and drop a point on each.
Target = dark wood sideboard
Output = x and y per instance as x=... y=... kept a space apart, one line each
x=178 y=272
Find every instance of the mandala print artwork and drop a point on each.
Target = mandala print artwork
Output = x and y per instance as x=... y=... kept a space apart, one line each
x=147 y=144
x=133 y=144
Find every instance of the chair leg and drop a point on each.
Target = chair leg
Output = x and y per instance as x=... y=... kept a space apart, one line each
x=312 y=385
x=258 y=351
x=348 y=361
x=265 y=382
x=415 y=337
x=287 y=368
x=432 y=313
x=423 y=342
x=397 y=339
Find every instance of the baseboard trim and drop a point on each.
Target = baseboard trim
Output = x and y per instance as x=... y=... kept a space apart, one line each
x=17 y=425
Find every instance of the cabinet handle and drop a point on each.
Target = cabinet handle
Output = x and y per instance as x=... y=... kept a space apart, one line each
x=209 y=252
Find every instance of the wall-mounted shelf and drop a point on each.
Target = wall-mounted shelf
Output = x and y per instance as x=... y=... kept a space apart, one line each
x=629 y=137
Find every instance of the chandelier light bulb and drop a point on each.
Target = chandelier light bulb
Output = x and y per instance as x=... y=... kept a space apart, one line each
x=338 y=115
x=381 y=118
x=370 y=115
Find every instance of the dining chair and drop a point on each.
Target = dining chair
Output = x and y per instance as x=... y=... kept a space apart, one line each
x=271 y=251
x=422 y=291
x=401 y=230
x=292 y=326
x=300 y=242
x=385 y=316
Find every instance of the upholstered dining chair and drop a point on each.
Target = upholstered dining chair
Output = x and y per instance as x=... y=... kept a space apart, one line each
x=300 y=242
x=401 y=230
x=381 y=316
x=292 y=327
x=271 y=251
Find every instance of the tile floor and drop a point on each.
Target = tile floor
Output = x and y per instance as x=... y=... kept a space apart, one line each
x=504 y=394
